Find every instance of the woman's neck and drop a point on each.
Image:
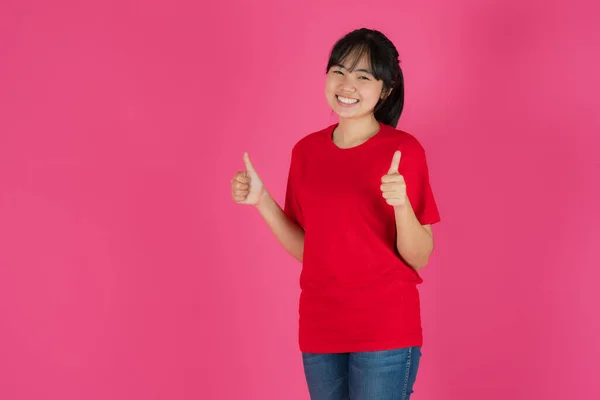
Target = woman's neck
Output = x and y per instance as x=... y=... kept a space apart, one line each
x=353 y=132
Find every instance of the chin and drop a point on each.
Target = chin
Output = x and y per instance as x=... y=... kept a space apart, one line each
x=349 y=114
x=346 y=115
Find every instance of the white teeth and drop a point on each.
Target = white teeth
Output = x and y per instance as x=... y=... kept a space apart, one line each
x=347 y=100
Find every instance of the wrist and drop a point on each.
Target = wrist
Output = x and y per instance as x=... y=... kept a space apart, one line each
x=403 y=208
x=264 y=200
x=405 y=211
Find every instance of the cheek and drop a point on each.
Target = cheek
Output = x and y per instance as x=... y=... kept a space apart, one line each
x=330 y=86
x=371 y=95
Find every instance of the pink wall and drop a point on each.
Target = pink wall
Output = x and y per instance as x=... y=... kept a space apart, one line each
x=126 y=272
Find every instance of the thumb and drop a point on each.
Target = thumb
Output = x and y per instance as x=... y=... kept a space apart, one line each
x=249 y=166
x=395 y=163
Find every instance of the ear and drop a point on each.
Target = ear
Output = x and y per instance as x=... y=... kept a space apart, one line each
x=385 y=93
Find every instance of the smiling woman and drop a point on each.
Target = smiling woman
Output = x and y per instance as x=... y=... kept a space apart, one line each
x=357 y=214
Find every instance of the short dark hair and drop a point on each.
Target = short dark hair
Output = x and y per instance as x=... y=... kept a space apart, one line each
x=384 y=64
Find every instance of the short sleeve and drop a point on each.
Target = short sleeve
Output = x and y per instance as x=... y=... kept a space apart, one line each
x=291 y=204
x=419 y=190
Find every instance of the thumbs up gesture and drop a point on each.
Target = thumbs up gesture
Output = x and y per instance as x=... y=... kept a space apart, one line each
x=246 y=186
x=393 y=187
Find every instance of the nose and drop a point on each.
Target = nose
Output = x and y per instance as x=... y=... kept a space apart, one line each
x=347 y=85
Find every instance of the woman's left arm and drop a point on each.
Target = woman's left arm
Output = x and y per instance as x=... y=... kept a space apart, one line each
x=413 y=240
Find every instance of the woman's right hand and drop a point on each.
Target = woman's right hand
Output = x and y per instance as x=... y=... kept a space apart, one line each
x=246 y=186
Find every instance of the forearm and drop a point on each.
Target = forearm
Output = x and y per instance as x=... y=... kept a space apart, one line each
x=413 y=241
x=289 y=234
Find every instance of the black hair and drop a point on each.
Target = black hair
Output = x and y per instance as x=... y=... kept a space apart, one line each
x=384 y=64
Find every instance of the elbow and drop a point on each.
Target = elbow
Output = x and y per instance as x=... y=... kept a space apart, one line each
x=295 y=255
x=416 y=260
x=298 y=255
x=418 y=255
x=420 y=262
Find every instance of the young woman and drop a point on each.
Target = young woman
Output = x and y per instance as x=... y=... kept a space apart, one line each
x=358 y=212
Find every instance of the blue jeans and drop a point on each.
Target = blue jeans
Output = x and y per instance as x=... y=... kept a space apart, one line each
x=375 y=375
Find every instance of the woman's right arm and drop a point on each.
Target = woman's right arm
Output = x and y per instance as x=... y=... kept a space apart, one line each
x=289 y=233
x=248 y=188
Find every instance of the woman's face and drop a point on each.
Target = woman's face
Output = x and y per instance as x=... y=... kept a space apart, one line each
x=352 y=94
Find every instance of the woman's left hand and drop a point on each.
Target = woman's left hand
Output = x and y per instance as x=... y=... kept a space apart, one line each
x=393 y=187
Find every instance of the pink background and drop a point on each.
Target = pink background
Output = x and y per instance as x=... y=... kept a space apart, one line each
x=126 y=271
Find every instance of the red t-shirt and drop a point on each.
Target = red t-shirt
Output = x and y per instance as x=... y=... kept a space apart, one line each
x=356 y=292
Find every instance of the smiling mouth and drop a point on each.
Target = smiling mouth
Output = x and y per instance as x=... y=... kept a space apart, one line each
x=347 y=100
